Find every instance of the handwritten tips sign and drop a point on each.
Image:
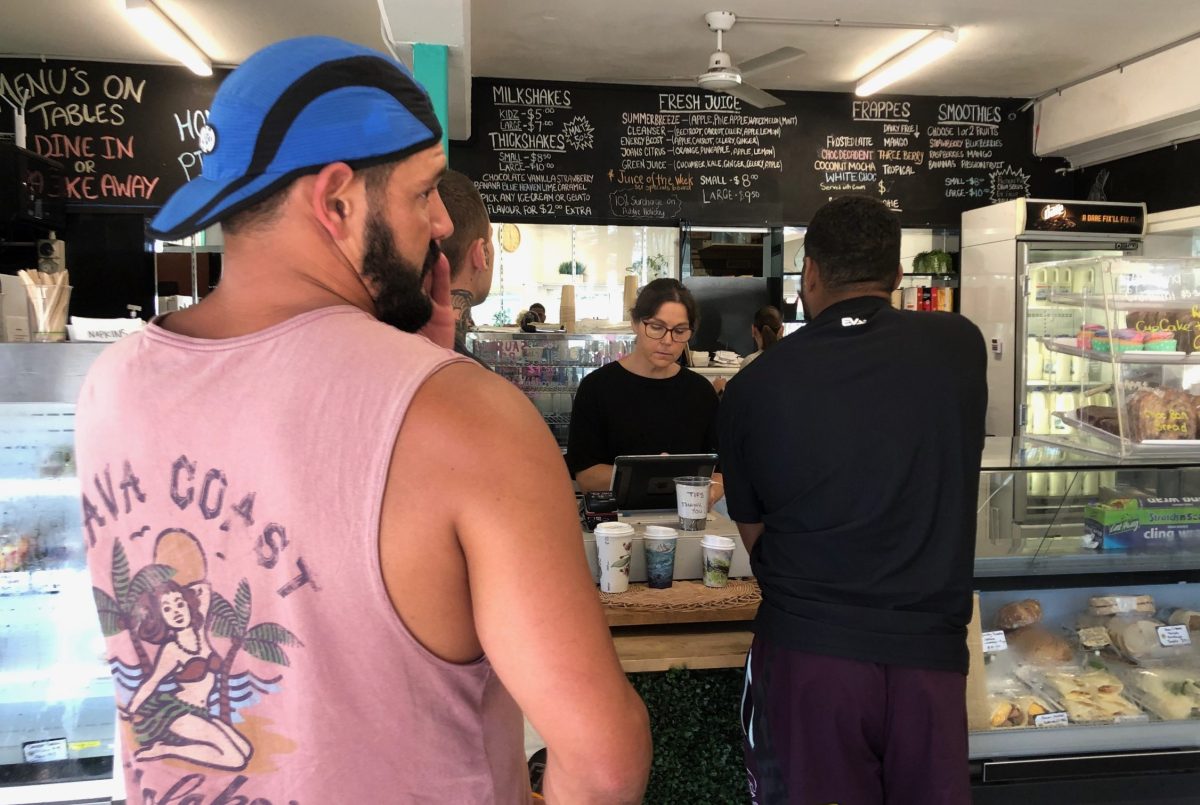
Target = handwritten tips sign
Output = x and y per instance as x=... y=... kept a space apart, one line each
x=125 y=134
x=601 y=153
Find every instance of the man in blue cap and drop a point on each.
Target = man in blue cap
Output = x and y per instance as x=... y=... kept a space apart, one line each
x=311 y=598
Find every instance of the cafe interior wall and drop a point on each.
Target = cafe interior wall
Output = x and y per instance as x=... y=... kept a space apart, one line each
x=607 y=253
x=912 y=243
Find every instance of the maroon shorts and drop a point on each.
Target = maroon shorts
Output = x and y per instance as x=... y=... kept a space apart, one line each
x=821 y=730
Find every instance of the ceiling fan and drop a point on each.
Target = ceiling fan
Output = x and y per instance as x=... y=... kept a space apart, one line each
x=722 y=74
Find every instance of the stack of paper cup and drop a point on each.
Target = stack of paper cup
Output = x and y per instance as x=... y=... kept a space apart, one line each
x=614 y=551
x=659 y=541
x=566 y=309
x=630 y=296
x=717 y=554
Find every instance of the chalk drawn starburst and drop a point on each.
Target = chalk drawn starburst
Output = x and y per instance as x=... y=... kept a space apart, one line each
x=1008 y=183
x=579 y=134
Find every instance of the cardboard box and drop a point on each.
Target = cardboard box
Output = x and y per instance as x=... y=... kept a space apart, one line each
x=1143 y=523
x=14 y=309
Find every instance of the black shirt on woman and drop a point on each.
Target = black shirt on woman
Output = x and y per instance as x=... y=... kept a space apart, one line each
x=618 y=413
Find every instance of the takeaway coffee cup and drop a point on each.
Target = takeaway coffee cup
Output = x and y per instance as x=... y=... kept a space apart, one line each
x=659 y=544
x=718 y=556
x=691 y=500
x=614 y=550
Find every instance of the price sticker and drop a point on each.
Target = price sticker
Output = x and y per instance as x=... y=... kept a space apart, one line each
x=994 y=641
x=45 y=751
x=1050 y=720
x=1174 y=635
x=1138 y=719
x=1094 y=637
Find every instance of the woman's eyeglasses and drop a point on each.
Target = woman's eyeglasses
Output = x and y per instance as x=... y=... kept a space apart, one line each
x=657 y=330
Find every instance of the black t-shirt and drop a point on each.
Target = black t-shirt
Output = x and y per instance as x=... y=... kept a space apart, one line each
x=618 y=413
x=856 y=442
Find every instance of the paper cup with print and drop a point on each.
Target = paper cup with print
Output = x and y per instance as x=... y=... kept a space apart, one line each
x=717 y=553
x=614 y=551
x=691 y=499
x=659 y=544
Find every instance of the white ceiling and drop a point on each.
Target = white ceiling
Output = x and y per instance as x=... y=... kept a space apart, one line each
x=1007 y=47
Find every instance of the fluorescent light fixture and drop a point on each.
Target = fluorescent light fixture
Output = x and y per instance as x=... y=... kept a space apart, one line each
x=166 y=35
x=929 y=49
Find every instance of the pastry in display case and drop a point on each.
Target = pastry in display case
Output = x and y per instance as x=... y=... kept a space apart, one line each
x=1128 y=355
x=548 y=367
x=57 y=711
x=1087 y=639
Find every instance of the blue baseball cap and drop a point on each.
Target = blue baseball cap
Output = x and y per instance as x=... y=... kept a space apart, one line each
x=291 y=109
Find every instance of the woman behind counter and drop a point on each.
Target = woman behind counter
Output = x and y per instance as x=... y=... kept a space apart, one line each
x=646 y=403
x=766 y=330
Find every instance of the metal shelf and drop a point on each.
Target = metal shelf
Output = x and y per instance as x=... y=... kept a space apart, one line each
x=1086 y=564
x=1052 y=741
x=1121 y=302
x=1068 y=346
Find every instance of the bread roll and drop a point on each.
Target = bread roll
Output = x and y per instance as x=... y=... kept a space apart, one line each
x=1041 y=646
x=1019 y=614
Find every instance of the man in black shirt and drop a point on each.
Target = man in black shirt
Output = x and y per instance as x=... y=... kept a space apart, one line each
x=851 y=454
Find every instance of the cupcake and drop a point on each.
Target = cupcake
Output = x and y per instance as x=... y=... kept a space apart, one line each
x=1129 y=340
x=1085 y=336
x=1160 y=341
x=1100 y=341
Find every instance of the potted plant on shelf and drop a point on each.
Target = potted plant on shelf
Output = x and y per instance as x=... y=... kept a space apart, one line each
x=571 y=267
x=933 y=262
x=654 y=267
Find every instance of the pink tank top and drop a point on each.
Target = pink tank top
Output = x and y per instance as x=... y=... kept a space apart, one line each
x=231 y=503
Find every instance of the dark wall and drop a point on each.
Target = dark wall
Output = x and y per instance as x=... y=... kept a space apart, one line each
x=110 y=267
x=1165 y=179
x=106 y=256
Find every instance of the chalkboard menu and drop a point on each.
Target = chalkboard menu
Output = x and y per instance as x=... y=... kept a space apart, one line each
x=125 y=133
x=594 y=153
x=559 y=152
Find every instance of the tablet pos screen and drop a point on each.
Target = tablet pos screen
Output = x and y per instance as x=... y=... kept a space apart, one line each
x=648 y=482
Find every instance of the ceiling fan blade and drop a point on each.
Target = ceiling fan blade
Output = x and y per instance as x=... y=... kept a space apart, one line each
x=772 y=59
x=621 y=79
x=754 y=96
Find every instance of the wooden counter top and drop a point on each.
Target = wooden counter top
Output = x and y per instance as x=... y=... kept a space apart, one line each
x=656 y=639
x=693 y=646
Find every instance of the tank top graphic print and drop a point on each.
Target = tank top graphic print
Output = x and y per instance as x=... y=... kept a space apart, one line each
x=231 y=503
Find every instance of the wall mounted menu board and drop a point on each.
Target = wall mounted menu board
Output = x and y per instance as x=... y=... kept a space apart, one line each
x=593 y=153
x=126 y=133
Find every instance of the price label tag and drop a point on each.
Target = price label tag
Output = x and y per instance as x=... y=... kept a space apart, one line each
x=45 y=751
x=1050 y=720
x=1174 y=635
x=1094 y=637
x=1138 y=719
x=994 y=641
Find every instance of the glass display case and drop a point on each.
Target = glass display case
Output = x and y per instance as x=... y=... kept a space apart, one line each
x=548 y=367
x=1119 y=369
x=56 y=694
x=1089 y=603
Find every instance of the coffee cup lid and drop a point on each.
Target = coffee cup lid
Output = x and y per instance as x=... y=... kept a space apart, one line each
x=660 y=532
x=721 y=543
x=611 y=529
